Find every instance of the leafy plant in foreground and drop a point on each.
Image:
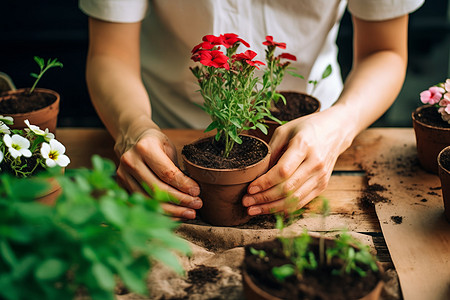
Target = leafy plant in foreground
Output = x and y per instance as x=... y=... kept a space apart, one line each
x=95 y=235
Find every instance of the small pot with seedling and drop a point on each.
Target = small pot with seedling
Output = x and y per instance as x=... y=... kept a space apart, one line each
x=38 y=105
x=310 y=267
x=236 y=100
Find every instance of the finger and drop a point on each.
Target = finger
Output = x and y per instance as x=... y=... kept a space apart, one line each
x=284 y=169
x=165 y=169
x=178 y=211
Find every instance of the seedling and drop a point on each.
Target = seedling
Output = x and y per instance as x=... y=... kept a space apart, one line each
x=327 y=72
x=51 y=63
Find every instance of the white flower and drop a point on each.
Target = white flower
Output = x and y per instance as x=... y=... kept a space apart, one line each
x=53 y=153
x=7 y=120
x=17 y=145
x=4 y=128
x=46 y=134
x=1 y=156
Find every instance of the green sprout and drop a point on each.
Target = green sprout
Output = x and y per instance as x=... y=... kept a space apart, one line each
x=327 y=72
x=51 y=63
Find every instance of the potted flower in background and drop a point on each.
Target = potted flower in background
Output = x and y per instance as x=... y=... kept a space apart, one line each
x=39 y=106
x=236 y=100
x=28 y=151
x=431 y=124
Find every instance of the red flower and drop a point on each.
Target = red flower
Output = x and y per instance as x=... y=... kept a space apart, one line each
x=214 y=58
x=229 y=39
x=288 y=56
x=269 y=42
x=247 y=56
x=213 y=40
x=202 y=46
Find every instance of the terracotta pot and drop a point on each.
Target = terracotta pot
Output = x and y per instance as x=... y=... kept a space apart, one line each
x=254 y=292
x=312 y=106
x=430 y=140
x=444 y=175
x=49 y=197
x=44 y=118
x=222 y=190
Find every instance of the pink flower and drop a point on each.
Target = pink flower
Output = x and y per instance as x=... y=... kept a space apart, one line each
x=214 y=58
x=288 y=56
x=447 y=85
x=270 y=42
x=445 y=103
x=432 y=95
x=247 y=57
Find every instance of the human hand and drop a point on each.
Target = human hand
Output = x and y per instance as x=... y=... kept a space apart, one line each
x=304 y=152
x=152 y=160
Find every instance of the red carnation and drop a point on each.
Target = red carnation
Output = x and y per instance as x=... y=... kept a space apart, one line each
x=229 y=39
x=247 y=56
x=213 y=40
x=288 y=56
x=202 y=46
x=270 y=42
x=214 y=59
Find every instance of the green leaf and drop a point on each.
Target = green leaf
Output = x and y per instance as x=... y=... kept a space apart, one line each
x=282 y=272
x=114 y=212
x=262 y=127
x=211 y=126
x=50 y=269
x=327 y=72
x=104 y=276
x=295 y=74
x=34 y=75
x=39 y=61
x=7 y=253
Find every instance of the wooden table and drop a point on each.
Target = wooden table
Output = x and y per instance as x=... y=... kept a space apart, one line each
x=381 y=165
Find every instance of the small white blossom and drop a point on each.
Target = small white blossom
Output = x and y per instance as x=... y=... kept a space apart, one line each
x=17 y=145
x=4 y=128
x=46 y=134
x=7 y=120
x=1 y=156
x=53 y=153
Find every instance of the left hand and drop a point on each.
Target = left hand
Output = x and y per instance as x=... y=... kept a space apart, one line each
x=304 y=152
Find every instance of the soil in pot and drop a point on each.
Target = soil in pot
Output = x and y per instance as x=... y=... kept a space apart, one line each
x=445 y=160
x=315 y=284
x=444 y=176
x=224 y=181
x=23 y=102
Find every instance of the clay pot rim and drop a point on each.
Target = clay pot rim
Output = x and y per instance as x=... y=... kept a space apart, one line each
x=267 y=156
x=446 y=149
x=425 y=124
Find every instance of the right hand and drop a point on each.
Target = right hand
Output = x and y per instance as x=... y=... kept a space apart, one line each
x=152 y=160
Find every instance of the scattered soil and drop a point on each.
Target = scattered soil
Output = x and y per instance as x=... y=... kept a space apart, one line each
x=397 y=219
x=297 y=105
x=445 y=160
x=208 y=153
x=423 y=200
x=315 y=284
x=203 y=274
x=430 y=116
x=370 y=195
x=22 y=102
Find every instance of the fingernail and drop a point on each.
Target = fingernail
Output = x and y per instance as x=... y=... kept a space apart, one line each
x=196 y=204
x=254 y=189
x=253 y=211
x=188 y=214
x=194 y=191
x=249 y=201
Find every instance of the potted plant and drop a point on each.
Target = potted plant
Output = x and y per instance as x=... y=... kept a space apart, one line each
x=444 y=175
x=236 y=100
x=310 y=267
x=94 y=237
x=431 y=124
x=30 y=150
x=39 y=106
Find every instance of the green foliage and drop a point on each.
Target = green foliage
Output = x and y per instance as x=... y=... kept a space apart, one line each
x=327 y=72
x=51 y=63
x=95 y=235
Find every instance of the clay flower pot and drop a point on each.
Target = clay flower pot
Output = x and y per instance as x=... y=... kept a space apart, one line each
x=430 y=139
x=49 y=197
x=294 y=288
x=444 y=174
x=44 y=116
x=222 y=189
x=297 y=105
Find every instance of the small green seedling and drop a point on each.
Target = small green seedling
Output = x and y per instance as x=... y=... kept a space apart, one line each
x=51 y=63
x=327 y=72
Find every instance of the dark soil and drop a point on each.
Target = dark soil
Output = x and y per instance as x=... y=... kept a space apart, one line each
x=28 y=162
x=397 y=219
x=297 y=105
x=430 y=116
x=208 y=153
x=370 y=195
x=445 y=160
x=22 y=103
x=315 y=284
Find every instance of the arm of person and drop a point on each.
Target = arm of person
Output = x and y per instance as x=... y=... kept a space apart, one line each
x=305 y=150
x=114 y=81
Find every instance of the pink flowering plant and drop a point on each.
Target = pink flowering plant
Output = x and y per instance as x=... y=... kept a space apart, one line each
x=234 y=96
x=439 y=96
x=28 y=151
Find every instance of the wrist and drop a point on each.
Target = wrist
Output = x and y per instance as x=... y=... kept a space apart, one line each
x=130 y=133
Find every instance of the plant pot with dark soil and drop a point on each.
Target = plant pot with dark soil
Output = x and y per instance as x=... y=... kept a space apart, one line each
x=431 y=125
x=303 y=267
x=236 y=100
x=444 y=175
x=37 y=105
x=224 y=181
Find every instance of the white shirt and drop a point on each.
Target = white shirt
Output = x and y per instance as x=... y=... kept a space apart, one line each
x=171 y=28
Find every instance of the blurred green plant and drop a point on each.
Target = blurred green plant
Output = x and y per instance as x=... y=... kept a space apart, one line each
x=94 y=236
